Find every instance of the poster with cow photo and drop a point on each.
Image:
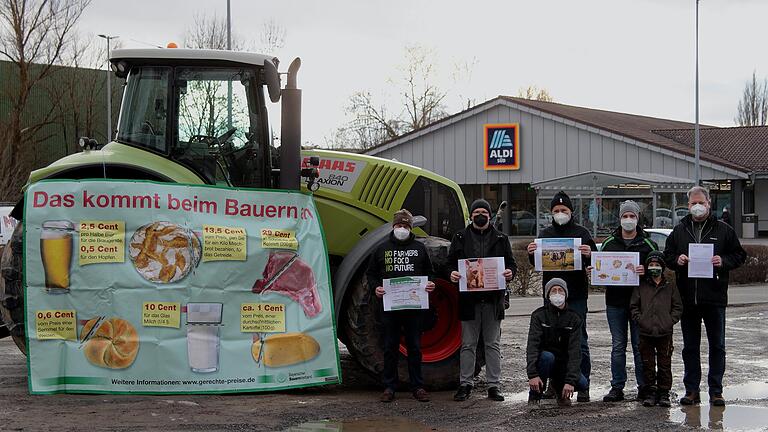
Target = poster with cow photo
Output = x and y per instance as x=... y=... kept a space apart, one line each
x=481 y=274
x=557 y=254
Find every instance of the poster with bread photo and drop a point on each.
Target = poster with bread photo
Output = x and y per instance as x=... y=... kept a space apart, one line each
x=142 y=287
x=615 y=268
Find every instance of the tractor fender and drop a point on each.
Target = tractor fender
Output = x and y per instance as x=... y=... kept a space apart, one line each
x=358 y=256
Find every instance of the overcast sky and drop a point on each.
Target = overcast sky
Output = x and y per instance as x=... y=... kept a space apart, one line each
x=634 y=56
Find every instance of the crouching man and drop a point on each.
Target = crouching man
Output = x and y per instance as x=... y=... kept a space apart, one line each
x=413 y=257
x=554 y=347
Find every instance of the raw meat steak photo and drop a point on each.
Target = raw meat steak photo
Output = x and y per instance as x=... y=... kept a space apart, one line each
x=286 y=274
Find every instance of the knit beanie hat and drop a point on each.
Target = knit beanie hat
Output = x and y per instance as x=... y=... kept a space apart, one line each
x=480 y=203
x=629 y=206
x=656 y=256
x=403 y=217
x=561 y=198
x=555 y=282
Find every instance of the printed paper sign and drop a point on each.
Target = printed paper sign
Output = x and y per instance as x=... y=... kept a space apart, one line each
x=615 y=268
x=482 y=274
x=408 y=292
x=557 y=254
x=700 y=260
x=179 y=311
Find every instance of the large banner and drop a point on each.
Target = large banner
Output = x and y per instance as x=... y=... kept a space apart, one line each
x=142 y=287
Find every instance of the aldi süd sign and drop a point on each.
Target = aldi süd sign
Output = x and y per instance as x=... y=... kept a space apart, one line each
x=501 y=146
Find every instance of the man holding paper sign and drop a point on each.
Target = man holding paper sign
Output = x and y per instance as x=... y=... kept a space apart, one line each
x=628 y=237
x=704 y=289
x=483 y=310
x=563 y=226
x=403 y=262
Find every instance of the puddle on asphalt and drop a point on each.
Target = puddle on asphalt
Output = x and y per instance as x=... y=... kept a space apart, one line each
x=731 y=417
x=389 y=424
x=753 y=390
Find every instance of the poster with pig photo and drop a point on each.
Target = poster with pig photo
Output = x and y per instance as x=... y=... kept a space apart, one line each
x=481 y=274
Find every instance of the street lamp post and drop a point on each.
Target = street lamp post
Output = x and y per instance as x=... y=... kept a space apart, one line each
x=109 y=88
x=696 y=136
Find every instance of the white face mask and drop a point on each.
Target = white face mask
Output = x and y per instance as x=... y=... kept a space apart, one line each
x=401 y=233
x=557 y=300
x=561 y=218
x=699 y=210
x=629 y=224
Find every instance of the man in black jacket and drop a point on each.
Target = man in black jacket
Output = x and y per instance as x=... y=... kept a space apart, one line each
x=563 y=226
x=401 y=255
x=554 y=346
x=628 y=237
x=480 y=311
x=703 y=299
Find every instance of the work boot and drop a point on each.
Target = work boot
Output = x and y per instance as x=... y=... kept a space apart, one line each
x=583 y=396
x=649 y=400
x=387 y=396
x=717 y=399
x=663 y=399
x=690 y=398
x=463 y=393
x=615 y=395
x=534 y=397
x=421 y=395
x=550 y=393
x=494 y=394
x=640 y=393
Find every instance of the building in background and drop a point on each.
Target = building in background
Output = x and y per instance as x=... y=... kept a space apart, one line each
x=523 y=151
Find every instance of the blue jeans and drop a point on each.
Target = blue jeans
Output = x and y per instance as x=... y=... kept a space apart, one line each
x=618 y=318
x=408 y=324
x=714 y=322
x=551 y=368
x=580 y=307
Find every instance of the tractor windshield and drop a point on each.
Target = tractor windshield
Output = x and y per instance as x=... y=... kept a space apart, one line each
x=213 y=126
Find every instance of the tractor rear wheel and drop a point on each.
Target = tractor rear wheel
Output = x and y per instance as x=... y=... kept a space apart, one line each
x=11 y=288
x=440 y=342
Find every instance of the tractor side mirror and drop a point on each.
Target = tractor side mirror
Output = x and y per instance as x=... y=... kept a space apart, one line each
x=272 y=79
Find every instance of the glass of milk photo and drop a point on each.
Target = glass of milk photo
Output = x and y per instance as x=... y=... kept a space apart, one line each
x=203 y=322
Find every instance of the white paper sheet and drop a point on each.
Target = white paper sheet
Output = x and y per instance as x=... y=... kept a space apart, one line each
x=409 y=292
x=700 y=260
x=615 y=268
x=482 y=274
x=557 y=254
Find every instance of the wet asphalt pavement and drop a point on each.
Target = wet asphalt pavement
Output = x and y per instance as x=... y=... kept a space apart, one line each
x=354 y=405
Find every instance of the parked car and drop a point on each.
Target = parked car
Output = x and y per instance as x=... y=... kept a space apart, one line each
x=659 y=235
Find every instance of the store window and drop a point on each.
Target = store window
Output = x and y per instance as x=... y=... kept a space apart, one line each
x=522 y=210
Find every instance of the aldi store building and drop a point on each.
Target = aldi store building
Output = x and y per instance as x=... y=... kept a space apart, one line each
x=523 y=151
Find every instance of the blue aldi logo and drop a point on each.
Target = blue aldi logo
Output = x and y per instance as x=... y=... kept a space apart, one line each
x=501 y=147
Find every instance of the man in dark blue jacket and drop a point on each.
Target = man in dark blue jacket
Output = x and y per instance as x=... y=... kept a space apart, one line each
x=563 y=226
x=704 y=299
x=401 y=255
x=628 y=237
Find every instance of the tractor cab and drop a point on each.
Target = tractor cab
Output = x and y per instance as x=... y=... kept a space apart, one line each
x=204 y=109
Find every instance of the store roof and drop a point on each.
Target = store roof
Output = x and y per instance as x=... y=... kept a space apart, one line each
x=747 y=145
x=651 y=130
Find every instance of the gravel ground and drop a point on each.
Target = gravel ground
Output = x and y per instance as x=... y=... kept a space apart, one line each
x=354 y=405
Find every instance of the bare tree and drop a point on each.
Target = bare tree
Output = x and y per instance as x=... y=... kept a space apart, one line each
x=272 y=37
x=753 y=106
x=33 y=35
x=420 y=102
x=534 y=93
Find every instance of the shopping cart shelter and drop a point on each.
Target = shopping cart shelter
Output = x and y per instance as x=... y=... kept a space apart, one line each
x=523 y=152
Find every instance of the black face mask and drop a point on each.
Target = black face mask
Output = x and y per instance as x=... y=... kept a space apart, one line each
x=480 y=220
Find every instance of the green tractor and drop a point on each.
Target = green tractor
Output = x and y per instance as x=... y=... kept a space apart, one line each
x=200 y=117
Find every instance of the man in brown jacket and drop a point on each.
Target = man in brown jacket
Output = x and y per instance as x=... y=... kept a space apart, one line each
x=657 y=307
